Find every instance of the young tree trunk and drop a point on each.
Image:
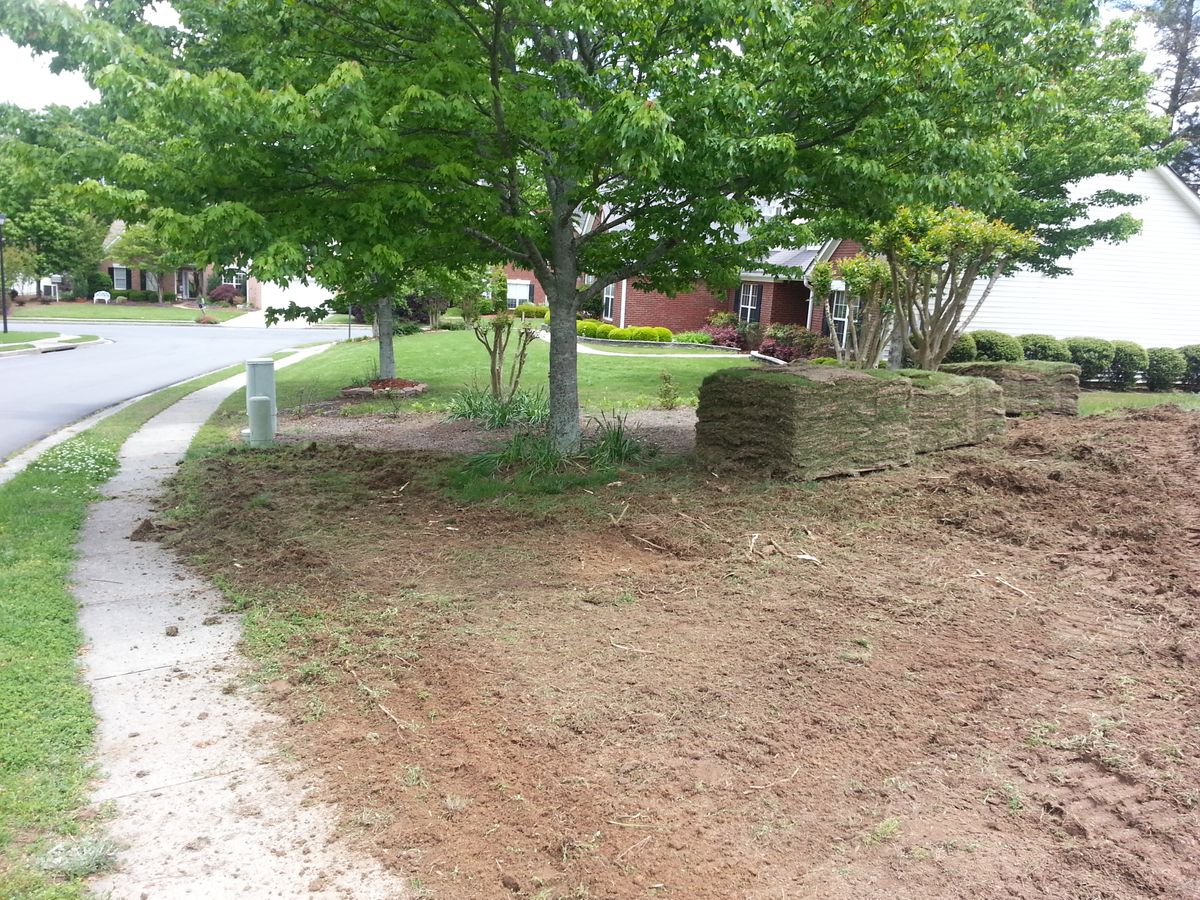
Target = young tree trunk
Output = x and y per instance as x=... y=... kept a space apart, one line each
x=384 y=321
x=158 y=281
x=563 y=426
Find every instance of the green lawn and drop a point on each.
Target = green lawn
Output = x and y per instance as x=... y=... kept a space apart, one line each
x=450 y=360
x=8 y=348
x=82 y=339
x=46 y=718
x=1093 y=403
x=24 y=337
x=145 y=312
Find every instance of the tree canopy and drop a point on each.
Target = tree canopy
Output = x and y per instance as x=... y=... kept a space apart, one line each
x=355 y=141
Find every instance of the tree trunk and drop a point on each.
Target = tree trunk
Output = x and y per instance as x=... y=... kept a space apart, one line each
x=384 y=316
x=158 y=281
x=563 y=426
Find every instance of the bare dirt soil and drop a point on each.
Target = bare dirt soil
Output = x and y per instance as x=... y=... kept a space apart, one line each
x=975 y=677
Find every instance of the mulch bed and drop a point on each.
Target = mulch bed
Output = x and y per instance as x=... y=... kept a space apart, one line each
x=975 y=677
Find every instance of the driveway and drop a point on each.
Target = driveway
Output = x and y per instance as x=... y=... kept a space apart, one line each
x=40 y=394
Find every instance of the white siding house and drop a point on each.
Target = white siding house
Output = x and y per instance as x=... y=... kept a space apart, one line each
x=1146 y=289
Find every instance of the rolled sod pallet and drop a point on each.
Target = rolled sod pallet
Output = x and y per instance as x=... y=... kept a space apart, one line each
x=1031 y=386
x=951 y=410
x=803 y=422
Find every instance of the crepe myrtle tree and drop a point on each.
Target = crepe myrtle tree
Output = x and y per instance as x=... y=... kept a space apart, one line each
x=870 y=313
x=935 y=259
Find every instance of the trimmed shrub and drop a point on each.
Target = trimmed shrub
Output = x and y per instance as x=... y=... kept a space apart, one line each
x=1191 y=378
x=1129 y=361
x=996 y=346
x=405 y=326
x=693 y=337
x=1093 y=356
x=824 y=361
x=643 y=334
x=722 y=318
x=581 y=326
x=662 y=335
x=225 y=293
x=1044 y=347
x=964 y=350
x=531 y=311
x=777 y=348
x=604 y=330
x=1165 y=367
x=206 y=320
x=724 y=335
x=620 y=334
x=453 y=324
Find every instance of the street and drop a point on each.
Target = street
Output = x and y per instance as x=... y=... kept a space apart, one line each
x=43 y=392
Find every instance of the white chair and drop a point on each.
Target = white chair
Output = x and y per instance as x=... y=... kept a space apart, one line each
x=101 y=295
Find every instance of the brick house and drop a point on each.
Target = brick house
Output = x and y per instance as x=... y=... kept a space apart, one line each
x=760 y=297
x=184 y=283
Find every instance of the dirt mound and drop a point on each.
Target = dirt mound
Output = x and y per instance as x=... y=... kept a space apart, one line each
x=972 y=677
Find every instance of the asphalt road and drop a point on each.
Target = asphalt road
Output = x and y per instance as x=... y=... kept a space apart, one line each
x=41 y=393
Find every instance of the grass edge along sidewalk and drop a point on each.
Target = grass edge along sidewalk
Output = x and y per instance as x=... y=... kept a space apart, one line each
x=46 y=721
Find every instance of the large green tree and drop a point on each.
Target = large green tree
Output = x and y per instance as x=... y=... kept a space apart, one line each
x=611 y=138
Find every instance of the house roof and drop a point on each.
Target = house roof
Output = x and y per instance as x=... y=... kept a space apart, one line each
x=115 y=230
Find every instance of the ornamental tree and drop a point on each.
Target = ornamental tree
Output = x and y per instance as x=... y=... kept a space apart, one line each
x=934 y=260
x=144 y=247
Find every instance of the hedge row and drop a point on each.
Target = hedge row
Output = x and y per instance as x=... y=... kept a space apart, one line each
x=1119 y=363
x=603 y=330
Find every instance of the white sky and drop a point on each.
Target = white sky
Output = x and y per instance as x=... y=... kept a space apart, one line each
x=27 y=81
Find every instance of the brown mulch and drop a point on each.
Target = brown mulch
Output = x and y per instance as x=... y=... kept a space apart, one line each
x=976 y=677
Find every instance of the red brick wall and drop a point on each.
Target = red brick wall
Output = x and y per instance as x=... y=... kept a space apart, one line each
x=784 y=303
x=683 y=312
x=539 y=295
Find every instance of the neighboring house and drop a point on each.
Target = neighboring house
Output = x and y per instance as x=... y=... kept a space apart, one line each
x=184 y=283
x=1146 y=289
x=760 y=297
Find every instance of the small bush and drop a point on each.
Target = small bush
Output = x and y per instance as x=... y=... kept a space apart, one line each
x=751 y=334
x=668 y=391
x=643 y=334
x=1044 y=347
x=724 y=335
x=225 y=293
x=964 y=350
x=722 y=318
x=480 y=406
x=1093 y=356
x=1191 y=379
x=604 y=330
x=580 y=326
x=614 y=444
x=824 y=361
x=531 y=311
x=206 y=320
x=405 y=326
x=662 y=335
x=693 y=337
x=621 y=334
x=1165 y=367
x=453 y=324
x=774 y=347
x=1129 y=361
x=996 y=346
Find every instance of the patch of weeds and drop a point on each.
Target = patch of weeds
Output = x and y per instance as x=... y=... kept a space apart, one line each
x=668 y=391
x=885 y=831
x=455 y=804
x=522 y=409
x=414 y=776
x=79 y=858
x=418 y=890
x=1013 y=799
x=1040 y=731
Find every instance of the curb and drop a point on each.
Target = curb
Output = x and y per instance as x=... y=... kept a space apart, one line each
x=53 y=348
x=17 y=463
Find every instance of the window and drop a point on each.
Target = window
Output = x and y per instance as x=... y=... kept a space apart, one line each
x=151 y=281
x=843 y=309
x=120 y=278
x=519 y=292
x=750 y=302
x=236 y=277
x=610 y=294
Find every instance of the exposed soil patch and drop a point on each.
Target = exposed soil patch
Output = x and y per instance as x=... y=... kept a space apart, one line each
x=974 y=677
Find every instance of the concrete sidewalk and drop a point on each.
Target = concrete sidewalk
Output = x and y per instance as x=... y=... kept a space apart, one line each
x=204 y=806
